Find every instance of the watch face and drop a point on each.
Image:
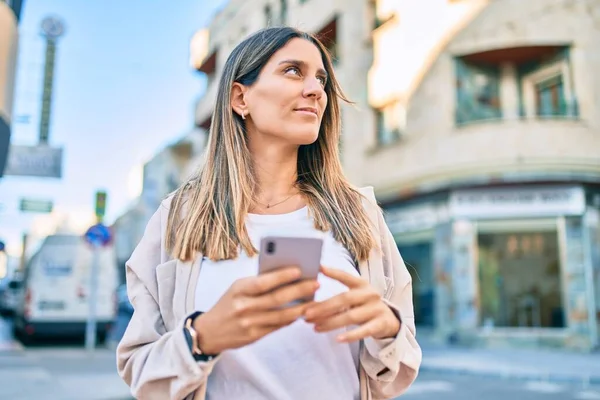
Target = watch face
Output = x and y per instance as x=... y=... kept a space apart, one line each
x=52 y=27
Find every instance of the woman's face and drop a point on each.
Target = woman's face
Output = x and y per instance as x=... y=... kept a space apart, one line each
x=288 y=99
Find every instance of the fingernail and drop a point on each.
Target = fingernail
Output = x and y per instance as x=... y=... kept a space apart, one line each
x=341 y=338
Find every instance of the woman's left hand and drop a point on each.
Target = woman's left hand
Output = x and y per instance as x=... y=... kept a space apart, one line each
x=361 y=305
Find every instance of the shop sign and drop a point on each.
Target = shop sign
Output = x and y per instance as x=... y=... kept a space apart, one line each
x=522 y=202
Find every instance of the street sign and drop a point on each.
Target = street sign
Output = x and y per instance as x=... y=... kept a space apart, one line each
x=98 y=235
x=39 y=206
x=100 y=204
x=40 y=161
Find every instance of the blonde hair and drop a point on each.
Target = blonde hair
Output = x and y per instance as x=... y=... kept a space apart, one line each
x=208 y=213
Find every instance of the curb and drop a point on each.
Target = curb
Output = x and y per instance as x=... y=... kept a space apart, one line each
x=585 y=380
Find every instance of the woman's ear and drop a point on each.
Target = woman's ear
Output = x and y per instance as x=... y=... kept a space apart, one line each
x=238 y=102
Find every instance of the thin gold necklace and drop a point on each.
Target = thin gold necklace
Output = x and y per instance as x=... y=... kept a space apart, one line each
x=269 y=205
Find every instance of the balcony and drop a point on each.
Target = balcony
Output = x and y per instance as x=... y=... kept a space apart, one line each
x=504 y=151
x=521 y=82
x=206 y=105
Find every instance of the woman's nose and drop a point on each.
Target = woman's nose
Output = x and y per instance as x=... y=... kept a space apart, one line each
x=313 y=88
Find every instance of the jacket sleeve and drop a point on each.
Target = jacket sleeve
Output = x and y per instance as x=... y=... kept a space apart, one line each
x=156 y=364
x=392 y=365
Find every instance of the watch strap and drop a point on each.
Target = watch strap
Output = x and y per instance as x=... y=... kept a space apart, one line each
x=192 y=340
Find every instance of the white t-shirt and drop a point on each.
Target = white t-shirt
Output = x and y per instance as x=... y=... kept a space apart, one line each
x=294 y=362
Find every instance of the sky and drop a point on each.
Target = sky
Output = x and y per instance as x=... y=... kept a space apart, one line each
x=123 y=89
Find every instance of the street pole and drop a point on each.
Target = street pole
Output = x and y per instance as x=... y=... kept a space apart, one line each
x=90 y=329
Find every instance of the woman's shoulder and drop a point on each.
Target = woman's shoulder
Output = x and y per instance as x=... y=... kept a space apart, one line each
x=178 y=197
x=368 y=192
x=369 y=200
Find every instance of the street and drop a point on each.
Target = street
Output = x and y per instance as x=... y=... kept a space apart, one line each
x=56 y=370
x=455 y=387
x=65 y=371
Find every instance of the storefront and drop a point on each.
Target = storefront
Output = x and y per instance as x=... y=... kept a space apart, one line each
x=413 y=228
x=505 y=265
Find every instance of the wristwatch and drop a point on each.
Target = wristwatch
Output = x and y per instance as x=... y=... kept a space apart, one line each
x=191 y=337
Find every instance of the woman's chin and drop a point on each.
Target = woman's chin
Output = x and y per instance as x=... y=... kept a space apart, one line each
x=306 y=139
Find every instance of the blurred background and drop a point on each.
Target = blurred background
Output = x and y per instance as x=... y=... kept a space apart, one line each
x=477 y=122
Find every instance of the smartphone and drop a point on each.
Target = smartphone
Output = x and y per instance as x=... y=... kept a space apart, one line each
x=285 y=251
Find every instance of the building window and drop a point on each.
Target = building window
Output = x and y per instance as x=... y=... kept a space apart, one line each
x=209 y=66
x=282 y=12
x=547 y=87
x=268 y=15
x=550 y=97
x=520 y=279
x=477 y=92
x=390 y=121
x=328 y=36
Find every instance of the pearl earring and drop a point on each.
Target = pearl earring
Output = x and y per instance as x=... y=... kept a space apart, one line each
x=243 y=115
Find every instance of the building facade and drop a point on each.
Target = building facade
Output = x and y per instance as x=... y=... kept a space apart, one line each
x=162 y=175
x=487 y=162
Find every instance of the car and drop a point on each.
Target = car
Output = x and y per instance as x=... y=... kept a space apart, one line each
x=55 y=299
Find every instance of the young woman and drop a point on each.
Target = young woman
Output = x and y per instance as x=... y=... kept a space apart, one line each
x=206 y=324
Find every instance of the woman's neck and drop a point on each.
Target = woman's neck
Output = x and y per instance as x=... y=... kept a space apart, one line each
x=276 y=174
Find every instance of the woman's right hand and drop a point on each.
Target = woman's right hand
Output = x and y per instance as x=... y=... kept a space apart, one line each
x=251 y=309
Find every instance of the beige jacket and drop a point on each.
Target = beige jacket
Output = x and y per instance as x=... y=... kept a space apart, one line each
x=153 y=357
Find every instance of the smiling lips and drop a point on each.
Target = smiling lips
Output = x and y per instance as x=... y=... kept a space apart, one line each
x=308 y=110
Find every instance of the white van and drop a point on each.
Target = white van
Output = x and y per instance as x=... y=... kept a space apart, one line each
x=56 y=289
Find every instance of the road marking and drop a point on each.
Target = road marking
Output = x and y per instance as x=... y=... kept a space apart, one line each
x=430 y=386
x=544 y=387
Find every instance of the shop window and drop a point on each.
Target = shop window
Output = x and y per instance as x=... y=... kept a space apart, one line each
x=477 y=92
x=418 y=259
x=520 y=280
x=390 y=122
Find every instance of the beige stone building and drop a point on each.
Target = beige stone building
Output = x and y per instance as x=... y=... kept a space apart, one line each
x=476 y=121
x=487 y=161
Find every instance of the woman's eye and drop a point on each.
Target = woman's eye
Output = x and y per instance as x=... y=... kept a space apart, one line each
x=322 y=79
x=294 y=70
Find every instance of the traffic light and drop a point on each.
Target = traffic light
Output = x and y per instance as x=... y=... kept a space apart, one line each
x=100 y=204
